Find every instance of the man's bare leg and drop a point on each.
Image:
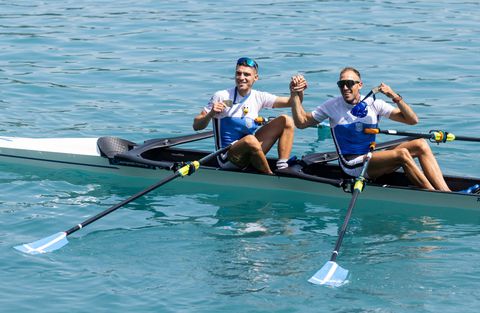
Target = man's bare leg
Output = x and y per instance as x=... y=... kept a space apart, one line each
x=282 y=129
x=420 y=149
x=430 y=178
x=248 y=150
x=384 y=162
x=252 y=149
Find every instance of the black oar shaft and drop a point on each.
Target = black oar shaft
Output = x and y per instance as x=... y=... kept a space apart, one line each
x=177 y=174
x=410 y=134
x=124 y=202
x=357 y=189
x=434 y=135
x=174 y=141
x=466 y=138
x=427 y=136
x=343 y=230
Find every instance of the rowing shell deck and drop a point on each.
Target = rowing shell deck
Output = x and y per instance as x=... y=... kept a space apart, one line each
x=153 y=161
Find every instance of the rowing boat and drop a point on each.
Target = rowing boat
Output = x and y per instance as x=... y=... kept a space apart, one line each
x=155 y=159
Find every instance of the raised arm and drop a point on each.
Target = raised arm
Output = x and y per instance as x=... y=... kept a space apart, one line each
x=300 y=117
x=301 y=84
x=403 y=113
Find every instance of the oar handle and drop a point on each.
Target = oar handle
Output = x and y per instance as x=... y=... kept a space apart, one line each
x=187 y=169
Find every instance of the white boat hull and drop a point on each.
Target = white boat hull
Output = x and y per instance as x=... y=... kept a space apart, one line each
x=83 y=154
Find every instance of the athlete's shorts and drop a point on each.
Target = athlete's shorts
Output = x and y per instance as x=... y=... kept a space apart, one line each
x=352 y=164
x=225 y=164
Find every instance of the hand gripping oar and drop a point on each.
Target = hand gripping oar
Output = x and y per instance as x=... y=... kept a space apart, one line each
x=58 y=240
x=437 y=136
x=332 y=274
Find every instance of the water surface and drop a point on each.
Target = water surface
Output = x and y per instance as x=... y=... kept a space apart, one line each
x=144 y=69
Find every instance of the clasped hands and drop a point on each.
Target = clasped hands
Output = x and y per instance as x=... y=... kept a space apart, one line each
x=298 y=84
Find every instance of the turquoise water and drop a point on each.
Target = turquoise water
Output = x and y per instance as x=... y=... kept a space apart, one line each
x=144 y=69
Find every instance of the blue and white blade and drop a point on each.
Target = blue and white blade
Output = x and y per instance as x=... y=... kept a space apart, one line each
x=48 y=244
x=331 y=274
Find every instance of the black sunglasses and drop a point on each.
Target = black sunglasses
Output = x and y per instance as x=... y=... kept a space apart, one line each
x=247 y=62
x=348 y=82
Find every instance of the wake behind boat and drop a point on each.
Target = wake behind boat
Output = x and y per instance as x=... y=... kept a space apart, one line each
x=157 y=158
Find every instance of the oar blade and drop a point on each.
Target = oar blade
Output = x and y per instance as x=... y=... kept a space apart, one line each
x=331 y=274
x=47 y=244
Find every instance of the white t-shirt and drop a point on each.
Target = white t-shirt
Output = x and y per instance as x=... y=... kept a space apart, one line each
x=347 y=129
x=233 y=123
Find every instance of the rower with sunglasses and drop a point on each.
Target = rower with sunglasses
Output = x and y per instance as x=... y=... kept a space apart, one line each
x=235 y=114
x=351 y=113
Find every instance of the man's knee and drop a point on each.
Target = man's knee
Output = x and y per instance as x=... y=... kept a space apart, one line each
x=422 y=146
x=403 y=155
x=287 y=121
x=252 y=142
